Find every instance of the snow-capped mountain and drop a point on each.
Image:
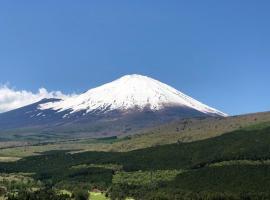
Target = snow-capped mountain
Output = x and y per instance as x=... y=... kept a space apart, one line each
x=123 y=106
x=127 y=93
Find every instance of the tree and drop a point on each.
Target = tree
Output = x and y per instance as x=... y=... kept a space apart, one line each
x=81 y=195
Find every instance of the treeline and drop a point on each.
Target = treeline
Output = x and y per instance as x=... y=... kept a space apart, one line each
x=121 y=193
x=43 y=194
x=224 y=182
x=47 y=194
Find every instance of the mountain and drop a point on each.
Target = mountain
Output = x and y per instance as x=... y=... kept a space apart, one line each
x=129 y=92
x=125 y=105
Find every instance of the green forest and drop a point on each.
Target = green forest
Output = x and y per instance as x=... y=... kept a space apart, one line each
x=235 y=165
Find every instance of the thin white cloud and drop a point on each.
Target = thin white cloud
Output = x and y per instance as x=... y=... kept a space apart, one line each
x=11 y=98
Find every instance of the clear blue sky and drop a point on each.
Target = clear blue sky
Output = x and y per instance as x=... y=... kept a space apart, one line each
x=215 y=51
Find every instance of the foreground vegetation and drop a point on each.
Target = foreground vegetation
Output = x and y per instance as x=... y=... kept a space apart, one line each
x=231 y=166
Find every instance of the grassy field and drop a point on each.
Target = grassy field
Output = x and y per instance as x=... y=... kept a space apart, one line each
x=97 y=196
x=179 y=131
x=9 y=159
x=101 y=196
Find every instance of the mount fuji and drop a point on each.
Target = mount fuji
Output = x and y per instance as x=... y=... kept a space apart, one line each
x=123 y=106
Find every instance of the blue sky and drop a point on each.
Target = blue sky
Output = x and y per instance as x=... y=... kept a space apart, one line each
x=215 y=51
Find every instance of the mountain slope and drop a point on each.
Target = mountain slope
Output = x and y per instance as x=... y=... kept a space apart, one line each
x=123 y=106
x=28 y=115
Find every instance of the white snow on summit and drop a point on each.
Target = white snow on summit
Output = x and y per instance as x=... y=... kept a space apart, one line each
x=128 y=92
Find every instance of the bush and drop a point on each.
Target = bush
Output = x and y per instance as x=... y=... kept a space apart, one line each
x=43 y=194
x=81 y=195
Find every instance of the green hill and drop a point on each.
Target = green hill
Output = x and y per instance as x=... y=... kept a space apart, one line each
x=232 y=164
x=185 y=131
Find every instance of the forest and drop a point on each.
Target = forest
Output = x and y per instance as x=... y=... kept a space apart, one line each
x=235 y=165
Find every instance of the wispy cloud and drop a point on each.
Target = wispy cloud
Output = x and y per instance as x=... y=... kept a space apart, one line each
x=11 y=98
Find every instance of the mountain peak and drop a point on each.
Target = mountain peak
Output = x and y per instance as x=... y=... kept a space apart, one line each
x=135 y=77
x=129 y=92
x=132 y=76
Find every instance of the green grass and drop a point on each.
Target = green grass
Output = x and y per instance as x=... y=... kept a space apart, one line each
x=65 y=192
x=97 y=196
x=8 y=159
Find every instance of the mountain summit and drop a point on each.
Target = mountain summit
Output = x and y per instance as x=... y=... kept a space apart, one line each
x=124 y=106
x=127 y=93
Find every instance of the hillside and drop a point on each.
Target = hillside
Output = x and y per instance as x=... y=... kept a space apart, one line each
x=188 y=130
x=181 y=130
x=221 y=167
